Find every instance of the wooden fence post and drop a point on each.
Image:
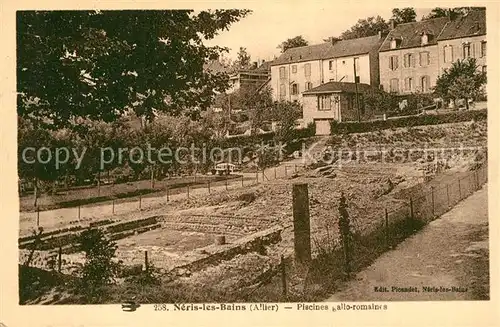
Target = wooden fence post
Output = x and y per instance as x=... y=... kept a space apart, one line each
x=432 y=198
x=146 y=262
x=78 y=212
x=448 y=194
x=386 y=228
x=283 y=277
x=140 y=202
x=188 y=191
x=113 y=206
x=412 y=214
x=257 y=175
x=275 y=173
x=168 y=196
x=459 y=190
x=37 y=217
x=242 y=177
x=301 y=223
x=208 y=186
x=59 y=259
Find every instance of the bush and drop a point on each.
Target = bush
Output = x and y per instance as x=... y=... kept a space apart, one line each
x=363 y=127
x=99 y=270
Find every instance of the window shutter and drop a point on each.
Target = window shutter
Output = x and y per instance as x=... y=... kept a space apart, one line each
x=396 y=63
x=428 y=55
x=391 y=63
x=428 y=82
x=413 y=60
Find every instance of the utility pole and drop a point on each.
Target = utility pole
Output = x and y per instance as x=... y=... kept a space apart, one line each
x=356 y=88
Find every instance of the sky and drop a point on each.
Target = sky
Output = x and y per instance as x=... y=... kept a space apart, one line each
x=272 y=23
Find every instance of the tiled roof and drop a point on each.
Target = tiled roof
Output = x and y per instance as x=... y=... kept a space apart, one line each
x=410 y=34
x=353 y=47
x=266 y=66
x=333 y=87
x=327 y=50
x=305 y=53
x=474 y=23
x=215 y=67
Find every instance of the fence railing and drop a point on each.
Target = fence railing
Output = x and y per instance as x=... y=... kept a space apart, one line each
x=396 y=224
x=117 y=206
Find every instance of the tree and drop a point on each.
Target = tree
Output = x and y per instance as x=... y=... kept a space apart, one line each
x=243 y=60
x=463 y=80
x=444 y=12
x=295 y=42
x=99 y=269
x=404 y=15
x=366 y=27
x=96 y=64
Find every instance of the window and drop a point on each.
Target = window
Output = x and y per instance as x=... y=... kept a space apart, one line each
x=448 y=53
x=424 y=83
x=282 y=91
x=424 y=59
x=282 y=72
x=330 y=65
x=408 y=60
x=393 y=62
x=394 y=44
x=466 y=50
x=294 y=69
x=394 y=87
x=425 y=39
x=307 y=69
x=483 y=49
x=324 y=102
x=309 y=85
x=295 y=89
x=408 y=84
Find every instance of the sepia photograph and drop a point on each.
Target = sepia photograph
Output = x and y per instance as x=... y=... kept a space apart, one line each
x=233 y=159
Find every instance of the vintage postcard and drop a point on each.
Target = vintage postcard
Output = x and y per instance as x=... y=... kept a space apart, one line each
x=279 y=163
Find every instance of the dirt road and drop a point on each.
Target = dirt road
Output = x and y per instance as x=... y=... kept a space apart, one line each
x=450 y=257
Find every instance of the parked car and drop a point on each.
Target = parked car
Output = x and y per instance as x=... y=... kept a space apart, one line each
x=223 y=168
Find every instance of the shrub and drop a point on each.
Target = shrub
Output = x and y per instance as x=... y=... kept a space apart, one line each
x=99 y=270
x=363 y=127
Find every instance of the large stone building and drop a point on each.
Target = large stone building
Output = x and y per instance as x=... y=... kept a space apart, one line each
x=303 y=68
x=413 y=55
x=462 y=38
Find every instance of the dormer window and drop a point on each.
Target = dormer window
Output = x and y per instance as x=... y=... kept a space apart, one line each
x=424 y=39
x=395 y=42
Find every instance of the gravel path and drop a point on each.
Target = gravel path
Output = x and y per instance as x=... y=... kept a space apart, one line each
x=450 y=256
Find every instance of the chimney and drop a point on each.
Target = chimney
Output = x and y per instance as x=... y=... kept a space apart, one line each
x=255 y=64
x=334 y=40
x=392 y=24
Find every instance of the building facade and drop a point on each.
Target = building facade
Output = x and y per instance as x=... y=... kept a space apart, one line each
x=335 y=101
x=462 y=38
x=414 y=55
x=301 y=69
x=409 y=57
